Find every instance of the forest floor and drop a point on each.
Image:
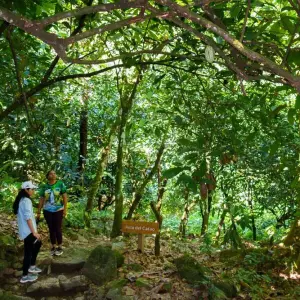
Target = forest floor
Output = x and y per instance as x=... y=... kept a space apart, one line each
x=253 y=273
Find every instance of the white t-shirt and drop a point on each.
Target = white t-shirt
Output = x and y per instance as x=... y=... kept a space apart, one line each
x=25 y=212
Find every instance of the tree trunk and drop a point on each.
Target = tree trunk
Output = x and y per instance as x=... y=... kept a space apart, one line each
x=236 y=240
x=100 y=170
x=185 y=216
x=156 y=208
x=205 y=206
x=250 y=202
x=126 y=106
x=140 y=191
x=252 y=220
x=220 y=226
x=83 y=133
x=293 y=236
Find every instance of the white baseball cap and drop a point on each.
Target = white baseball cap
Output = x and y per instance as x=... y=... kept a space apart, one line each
x=28 y=185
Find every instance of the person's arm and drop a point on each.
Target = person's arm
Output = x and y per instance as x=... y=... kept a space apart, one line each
x=27 y=211
x=30 y=225
x=41 y=204
x=65 y=200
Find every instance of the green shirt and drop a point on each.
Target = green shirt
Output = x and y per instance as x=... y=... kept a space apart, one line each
x=52 y=194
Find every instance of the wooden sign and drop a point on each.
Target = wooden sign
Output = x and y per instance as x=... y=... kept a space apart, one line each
x=140 y=227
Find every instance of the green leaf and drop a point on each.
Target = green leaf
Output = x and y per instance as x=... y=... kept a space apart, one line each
x=291 y=115
x=287 y=8
x=178 y=120
x=288 y=24
x=170 y=173
x=273 y=148
x=187 y=181
x=294 y=56
x=158 y=79
x=297 y=103
x=235 y=10
x=185 y=142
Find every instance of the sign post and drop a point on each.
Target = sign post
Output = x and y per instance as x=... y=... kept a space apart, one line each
x=141 y=228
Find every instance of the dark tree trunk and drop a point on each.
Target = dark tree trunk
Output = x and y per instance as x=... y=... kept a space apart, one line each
x=220 y=226
x=83 y=132
x=250 y=202
x=185 y=216
x=205 y=206
x=156 y=208
x=100 y=170
x=126 y=106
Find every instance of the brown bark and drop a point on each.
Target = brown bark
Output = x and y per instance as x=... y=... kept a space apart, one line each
x=220 y=226
x=252 y=55
x=185 y=216
x=126 y=107
x=156 y=208
x=205 y=206
x=83 y=134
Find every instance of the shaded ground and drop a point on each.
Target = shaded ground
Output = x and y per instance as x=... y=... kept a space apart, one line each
x=254 y=274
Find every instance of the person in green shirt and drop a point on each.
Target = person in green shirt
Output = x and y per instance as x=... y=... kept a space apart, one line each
x=53 y=200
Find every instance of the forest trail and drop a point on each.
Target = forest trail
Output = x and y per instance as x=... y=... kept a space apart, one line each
x=142 y=276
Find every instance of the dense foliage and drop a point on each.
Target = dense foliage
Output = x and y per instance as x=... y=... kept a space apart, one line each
x=130 y=80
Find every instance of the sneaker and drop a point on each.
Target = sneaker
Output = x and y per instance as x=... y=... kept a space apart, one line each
x=52 y=251
x=29 y=278
x=34 y=269
x=58 y=251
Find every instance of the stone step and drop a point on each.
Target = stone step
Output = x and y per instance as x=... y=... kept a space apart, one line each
x=57 y=286
x=72 y=260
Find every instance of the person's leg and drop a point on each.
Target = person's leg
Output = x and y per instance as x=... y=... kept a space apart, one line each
x=49 y=217
x=36 y=248
x=58 y=227
x=28 y=248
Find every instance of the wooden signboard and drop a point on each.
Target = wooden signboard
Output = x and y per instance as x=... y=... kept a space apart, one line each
x=141 y=228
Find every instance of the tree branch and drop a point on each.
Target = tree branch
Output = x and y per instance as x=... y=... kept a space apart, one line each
x=297 y=9
x=125 y=55
x=109 y=27
x=3 y=26
x=43 y=85
x=208 y=41
x=284 y=60
x=89 y=10
x=252 y=55
x=56 y=59
x=245 y=21
x=18 y=75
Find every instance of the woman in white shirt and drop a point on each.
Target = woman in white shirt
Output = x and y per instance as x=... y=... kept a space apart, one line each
x=28 y=231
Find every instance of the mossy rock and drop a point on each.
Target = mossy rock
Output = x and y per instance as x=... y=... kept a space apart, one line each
x=120 y=258
x=166 y=288
x=117 y=284
x=189 y=269
x=7 y=244
x=229 y=254
x=114 y=294
x=142 y=282
x=238 y=255
x=3 y=265
x=73 y=236
x=135 y=267
x=101 y=265
x=228 y=288
x=9 y=296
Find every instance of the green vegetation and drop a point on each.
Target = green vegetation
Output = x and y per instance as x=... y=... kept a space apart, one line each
x=193 y=106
